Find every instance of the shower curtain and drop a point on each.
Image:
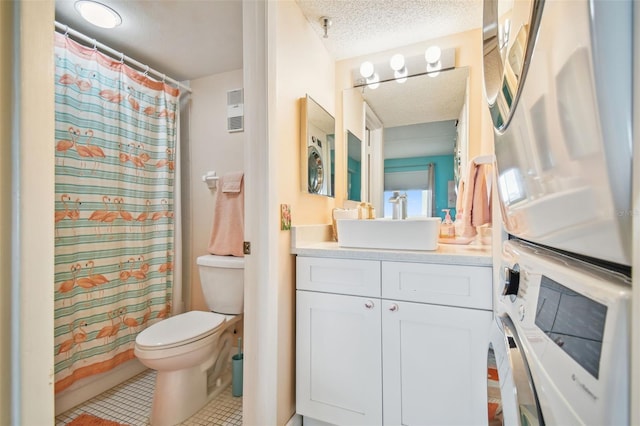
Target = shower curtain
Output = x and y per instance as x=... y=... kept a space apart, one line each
x=116 y=132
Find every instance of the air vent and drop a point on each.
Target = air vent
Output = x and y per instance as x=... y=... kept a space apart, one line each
x=235 y=111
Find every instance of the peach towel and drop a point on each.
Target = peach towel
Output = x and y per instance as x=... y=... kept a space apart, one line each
x=475 y=198
x=232 y=182
x=227 y=233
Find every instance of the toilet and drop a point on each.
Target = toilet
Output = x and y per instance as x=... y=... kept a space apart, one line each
x=191 y=352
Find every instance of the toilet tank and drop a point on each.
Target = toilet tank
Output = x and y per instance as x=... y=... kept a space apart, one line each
x=222 y=281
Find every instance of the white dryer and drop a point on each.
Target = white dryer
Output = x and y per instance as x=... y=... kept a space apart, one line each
x=315 y=162
x=559 y=347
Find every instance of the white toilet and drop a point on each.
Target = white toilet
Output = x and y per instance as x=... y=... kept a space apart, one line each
x=191 y=351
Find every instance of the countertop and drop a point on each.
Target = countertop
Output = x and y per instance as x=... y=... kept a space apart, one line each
x=315 y=241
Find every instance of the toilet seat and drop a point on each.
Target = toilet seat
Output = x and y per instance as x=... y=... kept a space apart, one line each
x=180 y=330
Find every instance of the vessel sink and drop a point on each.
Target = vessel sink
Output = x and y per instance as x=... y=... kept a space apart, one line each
x=409 y=234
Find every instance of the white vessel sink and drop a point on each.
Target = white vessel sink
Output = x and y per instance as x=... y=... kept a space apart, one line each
x=409 y=234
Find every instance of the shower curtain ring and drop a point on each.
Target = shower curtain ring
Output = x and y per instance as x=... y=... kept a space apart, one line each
x=122 y=58
x=95 y=44
x=66 y=31
x=146 y=71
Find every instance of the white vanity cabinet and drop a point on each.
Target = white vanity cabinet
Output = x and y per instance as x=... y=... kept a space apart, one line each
x=409 y=350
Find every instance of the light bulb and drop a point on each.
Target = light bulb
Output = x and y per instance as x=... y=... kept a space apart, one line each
x=397 y=62
x=98 y=14
x=366 y=69
x=432 y=54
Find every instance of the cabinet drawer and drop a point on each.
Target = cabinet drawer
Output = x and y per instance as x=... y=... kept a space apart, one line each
x=451 y=285
x=341 y=276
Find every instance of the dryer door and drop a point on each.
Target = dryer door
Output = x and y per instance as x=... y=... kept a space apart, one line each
x=316 y=171
x=511 y=395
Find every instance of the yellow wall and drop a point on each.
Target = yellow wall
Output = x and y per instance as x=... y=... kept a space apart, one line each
x=210 y=147
x=6 y=10
x=302 y=66
x=468 y=53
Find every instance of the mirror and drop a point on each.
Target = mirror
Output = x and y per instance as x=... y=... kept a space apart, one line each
x=317 y=135
x=418 y=136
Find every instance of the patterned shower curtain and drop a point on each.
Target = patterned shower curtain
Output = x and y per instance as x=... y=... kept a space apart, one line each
x=115 y=141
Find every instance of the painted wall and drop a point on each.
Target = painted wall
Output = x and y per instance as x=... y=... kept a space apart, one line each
x=211 y=147
x=468 y=53
x=302 y=66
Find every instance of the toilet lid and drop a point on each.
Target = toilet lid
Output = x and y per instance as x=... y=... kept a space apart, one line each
x=180 y=330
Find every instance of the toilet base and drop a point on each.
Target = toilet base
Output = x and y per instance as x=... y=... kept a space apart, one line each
x=179 y=394
x=173 y=404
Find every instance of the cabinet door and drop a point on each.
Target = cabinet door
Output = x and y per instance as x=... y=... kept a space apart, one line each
x=434 y=369
x=338 y=358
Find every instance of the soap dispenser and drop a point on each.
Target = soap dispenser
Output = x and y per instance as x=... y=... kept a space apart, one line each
x=447 y=229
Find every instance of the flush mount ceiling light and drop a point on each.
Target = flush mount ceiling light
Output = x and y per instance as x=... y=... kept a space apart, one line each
x=98 y=14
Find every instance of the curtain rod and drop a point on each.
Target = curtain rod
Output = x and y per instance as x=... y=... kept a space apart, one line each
x=119 y=55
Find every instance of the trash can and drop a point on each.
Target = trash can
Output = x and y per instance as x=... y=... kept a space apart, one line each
x=236 y=371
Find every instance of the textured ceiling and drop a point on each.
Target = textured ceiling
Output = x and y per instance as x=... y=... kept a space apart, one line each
x=361 y=27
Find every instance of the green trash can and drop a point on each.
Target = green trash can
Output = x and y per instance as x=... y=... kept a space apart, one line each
x=236 y=371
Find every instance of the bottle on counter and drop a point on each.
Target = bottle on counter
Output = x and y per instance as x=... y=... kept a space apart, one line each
x=447 y=229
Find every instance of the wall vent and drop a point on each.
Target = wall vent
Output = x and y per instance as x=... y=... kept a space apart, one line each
x=235 y=111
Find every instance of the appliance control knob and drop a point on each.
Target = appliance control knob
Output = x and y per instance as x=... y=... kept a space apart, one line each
x=368 y=304
x=393 y=307
x=511 y=281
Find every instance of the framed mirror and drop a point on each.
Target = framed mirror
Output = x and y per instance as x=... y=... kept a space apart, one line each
x=418 y=138
x=317 y=135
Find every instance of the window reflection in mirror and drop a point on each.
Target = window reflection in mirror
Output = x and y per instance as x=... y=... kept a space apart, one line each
x=424 y=123
x=317 y=135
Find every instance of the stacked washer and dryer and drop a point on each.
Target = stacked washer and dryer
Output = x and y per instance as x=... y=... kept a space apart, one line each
x=558 y=81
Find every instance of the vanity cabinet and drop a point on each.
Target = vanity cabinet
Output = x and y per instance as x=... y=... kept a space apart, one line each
x=405 y=345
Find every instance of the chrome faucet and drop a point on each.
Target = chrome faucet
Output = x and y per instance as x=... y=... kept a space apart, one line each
x=399 y=202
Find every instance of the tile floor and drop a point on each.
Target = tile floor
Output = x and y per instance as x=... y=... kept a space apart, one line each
x=130 y=403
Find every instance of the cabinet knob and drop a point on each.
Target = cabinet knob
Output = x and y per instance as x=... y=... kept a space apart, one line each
x=393 y=307
x=368 y=304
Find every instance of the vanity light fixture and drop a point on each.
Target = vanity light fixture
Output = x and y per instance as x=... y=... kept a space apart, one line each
x=399 y=67
x=432 y=55
x=98 y=14
x=397 y=64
